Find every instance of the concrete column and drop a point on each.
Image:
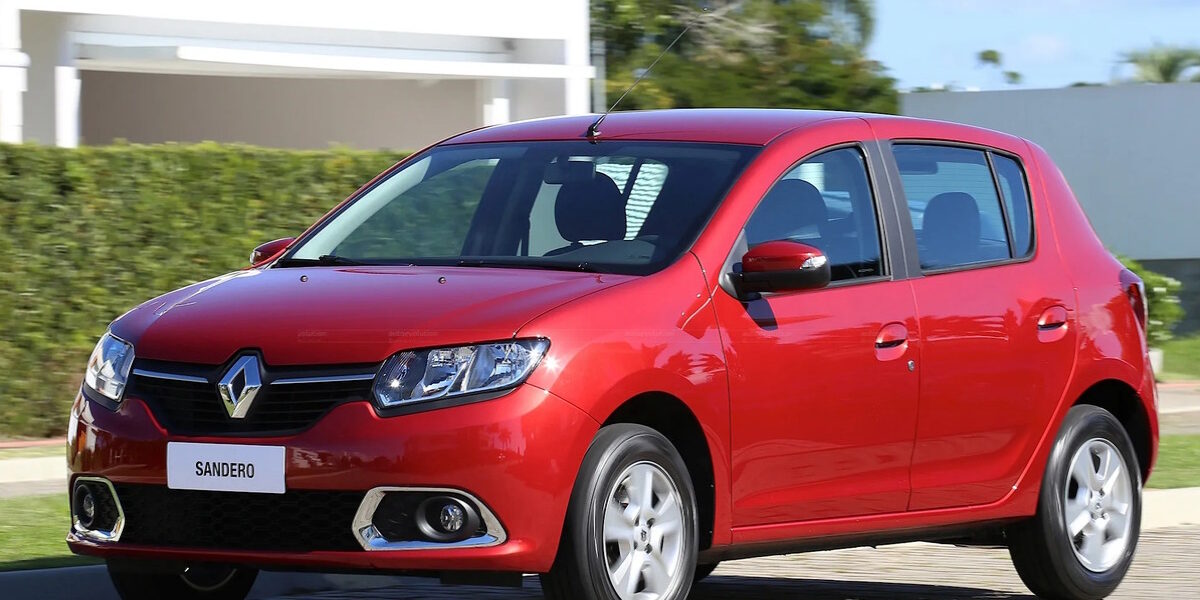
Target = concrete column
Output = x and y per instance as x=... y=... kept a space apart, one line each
x=577 y=51
x=13 y=63
x=497 y=101
x=52 y=100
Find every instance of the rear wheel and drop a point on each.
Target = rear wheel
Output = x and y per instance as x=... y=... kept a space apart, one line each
x=197 y=582
x=631 y=528
x=1082 y=541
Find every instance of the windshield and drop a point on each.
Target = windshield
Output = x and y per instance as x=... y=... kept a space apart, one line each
x=621 y=207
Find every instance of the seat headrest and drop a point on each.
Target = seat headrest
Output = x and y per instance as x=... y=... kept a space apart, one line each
x=791 y=207
x=592 y=210
x=951 y=230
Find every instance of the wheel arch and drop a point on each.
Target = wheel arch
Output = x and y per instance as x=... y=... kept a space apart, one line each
x=673 y=418
x=1123 y=401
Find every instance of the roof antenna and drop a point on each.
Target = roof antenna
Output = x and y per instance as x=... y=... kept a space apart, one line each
x=593 y=130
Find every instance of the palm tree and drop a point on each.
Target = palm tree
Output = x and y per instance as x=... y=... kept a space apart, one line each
x=1163 y=64
x=993 y=59
x=857 y=15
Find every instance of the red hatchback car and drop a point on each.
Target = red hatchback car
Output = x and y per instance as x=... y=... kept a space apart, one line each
x=616 y=359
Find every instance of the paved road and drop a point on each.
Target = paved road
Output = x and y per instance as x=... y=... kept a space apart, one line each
x=1166 y=567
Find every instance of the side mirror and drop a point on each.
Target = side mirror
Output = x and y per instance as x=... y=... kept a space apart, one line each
x=782 y=266
x=269 y=249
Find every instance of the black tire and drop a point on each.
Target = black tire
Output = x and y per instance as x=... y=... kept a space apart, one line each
x=135 y=581
x=703 y=571
x=1042 y=548
x=580 y=571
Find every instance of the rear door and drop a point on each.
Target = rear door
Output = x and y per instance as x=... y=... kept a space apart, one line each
x=995 y=312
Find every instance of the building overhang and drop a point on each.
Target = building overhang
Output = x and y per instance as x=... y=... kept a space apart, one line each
x=197 y=56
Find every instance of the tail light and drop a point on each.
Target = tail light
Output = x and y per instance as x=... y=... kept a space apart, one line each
x=1135 y=290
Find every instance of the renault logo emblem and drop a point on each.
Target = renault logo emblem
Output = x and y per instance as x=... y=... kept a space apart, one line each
x=239 y=386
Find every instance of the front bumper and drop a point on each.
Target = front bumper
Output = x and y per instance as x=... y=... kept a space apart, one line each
x=517 y=454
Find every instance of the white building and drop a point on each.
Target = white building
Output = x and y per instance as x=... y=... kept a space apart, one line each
x=298 y=74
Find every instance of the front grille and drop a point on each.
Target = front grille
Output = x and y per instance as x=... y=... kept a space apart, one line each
x=186 y=407
x=296 y=521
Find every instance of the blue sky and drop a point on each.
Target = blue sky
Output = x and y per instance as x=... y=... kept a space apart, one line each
x=1052 y=43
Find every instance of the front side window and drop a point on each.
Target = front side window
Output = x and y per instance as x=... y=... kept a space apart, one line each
x=824 y=202
x=956 y=212
x=625 y=207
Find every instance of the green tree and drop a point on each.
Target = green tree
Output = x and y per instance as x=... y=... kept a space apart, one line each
x=990 y=58
x=854 y=19
x=1164 y=64
x=993 y=59
x=759 y=53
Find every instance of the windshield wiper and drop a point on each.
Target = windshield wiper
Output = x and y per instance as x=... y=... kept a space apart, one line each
x=582 y=267
x=325 y=260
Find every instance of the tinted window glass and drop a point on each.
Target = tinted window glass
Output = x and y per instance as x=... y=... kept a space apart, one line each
x=441 y=202
x=824 y=202
x=641 y=180
x=955 y=210
x=1016 y=200
x=625 y=207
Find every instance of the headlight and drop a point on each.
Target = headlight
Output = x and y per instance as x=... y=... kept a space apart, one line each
x=108 y=368
x=418 y=375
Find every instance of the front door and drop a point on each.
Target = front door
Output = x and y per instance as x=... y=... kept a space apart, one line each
x=823 y=401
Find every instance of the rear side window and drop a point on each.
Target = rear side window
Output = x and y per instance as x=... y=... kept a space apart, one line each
x=1016 y=199
x=956 y=211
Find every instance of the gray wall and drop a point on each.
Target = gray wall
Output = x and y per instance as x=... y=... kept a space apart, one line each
x=280 y=112
x=1129 y=152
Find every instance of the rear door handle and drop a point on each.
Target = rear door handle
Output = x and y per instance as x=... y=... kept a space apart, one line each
x=1052 y=324
x=892 y=341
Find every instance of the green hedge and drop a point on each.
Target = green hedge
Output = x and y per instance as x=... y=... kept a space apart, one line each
x=90 y=232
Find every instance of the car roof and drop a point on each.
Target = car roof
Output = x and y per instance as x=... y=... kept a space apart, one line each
x=754 y=126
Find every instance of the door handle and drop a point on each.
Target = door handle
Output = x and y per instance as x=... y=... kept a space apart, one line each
x=891 y=342
x=1052 y=324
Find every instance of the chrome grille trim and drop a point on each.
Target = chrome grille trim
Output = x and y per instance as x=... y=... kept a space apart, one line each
x=172 y=376
x=324 y=379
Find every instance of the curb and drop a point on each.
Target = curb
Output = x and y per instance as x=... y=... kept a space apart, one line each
x=1180 y=385
x=11 y=444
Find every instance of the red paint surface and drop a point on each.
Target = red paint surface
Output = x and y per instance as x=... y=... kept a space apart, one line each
x=813 y=420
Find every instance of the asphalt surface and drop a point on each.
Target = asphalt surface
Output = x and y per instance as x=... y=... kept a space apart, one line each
x=1165 y=567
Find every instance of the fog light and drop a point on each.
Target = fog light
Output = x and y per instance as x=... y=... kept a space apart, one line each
x=446 y=519
x=85 y=506
x=452 y=518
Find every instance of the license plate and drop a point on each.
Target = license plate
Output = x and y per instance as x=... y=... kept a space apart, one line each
x=225 y=467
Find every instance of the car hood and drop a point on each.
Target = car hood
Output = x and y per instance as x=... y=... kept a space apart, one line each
x=345 y=315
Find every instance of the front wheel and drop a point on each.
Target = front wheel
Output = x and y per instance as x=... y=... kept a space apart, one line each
x=196 y=582
x=1082 y=541
x=631 y=526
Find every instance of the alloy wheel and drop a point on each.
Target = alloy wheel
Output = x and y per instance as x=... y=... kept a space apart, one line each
x=643 y=532
x=1098 y=500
